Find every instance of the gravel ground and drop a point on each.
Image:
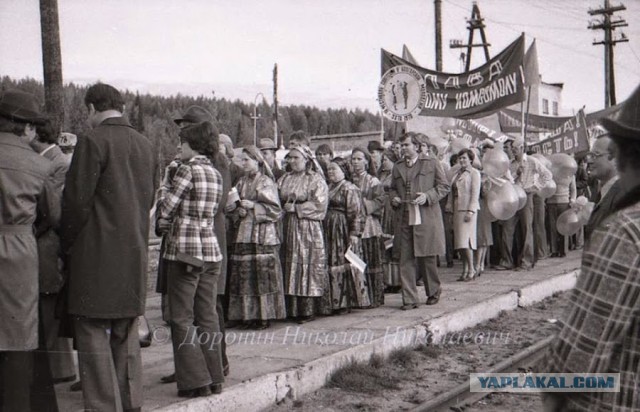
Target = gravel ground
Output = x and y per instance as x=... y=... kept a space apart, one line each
x=414 y=376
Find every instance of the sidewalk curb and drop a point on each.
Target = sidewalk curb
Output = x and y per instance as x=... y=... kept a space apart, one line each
x=535 y=292
x=265 y=391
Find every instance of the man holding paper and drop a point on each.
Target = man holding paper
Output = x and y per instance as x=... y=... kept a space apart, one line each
x=418 y=184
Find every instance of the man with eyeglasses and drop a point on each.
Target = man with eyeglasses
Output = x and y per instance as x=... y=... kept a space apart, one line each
x=601 y=164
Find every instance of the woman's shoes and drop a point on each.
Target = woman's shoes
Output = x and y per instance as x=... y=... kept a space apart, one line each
x=260 y=325
x=305 y=319
x=470 y=277
x=462 y=277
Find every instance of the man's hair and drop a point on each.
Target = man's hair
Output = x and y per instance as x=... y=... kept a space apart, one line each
x=202 y=137
x=46 y=133
x=627 y=151
x=300 y=136
x=9 y=126
x=104 y=97
x=415 y=139
x=324 y=149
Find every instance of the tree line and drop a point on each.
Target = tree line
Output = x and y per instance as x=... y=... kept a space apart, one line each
x=152 y=115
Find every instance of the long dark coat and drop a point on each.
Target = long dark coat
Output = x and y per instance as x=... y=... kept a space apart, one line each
x=108 y=193
x=426 y=176
x=26 y=197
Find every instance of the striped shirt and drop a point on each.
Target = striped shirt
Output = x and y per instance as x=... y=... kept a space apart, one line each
x=190 y=203
x=601 y=329
x=530 y=174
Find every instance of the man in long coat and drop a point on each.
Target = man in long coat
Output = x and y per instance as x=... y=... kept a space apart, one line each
x=419 y=183
x=108 y=194
x=27 y=198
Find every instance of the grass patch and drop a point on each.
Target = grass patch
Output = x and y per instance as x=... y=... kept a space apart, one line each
x=367 y=377
x=429 y=351
x=403 y=357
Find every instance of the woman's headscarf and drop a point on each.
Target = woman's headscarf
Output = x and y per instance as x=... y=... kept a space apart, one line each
x=254 y=153
x=343 y=164
x=308 y=155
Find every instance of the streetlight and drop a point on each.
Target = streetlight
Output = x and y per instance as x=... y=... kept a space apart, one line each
x=255 y=118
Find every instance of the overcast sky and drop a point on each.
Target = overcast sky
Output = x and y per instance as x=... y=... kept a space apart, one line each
x=328 y=51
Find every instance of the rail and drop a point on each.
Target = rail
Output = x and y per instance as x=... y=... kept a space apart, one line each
x=460 y=396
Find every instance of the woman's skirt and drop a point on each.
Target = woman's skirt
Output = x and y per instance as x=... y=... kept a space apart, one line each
x=373 y=255
x=464 y=233
x=255 y=283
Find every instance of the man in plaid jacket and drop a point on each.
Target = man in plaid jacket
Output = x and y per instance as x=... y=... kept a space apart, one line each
x=601 y=328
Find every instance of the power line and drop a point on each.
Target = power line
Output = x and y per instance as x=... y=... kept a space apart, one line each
x=568 y=48
x=634 y=52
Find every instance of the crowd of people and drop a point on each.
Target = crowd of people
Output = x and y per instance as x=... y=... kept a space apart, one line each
x=245 y=240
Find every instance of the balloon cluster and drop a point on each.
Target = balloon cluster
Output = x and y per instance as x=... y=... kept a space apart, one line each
x=549 y=189
x=562 y=166
x=572 y=219
x=504 y=198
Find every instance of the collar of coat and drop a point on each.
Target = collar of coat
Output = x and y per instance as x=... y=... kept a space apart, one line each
x=116 y=121
x=630 y=198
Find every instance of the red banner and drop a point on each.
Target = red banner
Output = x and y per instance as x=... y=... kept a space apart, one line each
x=571 y=136
x=407 y=88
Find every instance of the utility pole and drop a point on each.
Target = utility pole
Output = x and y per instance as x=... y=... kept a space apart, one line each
x=275 y=104
x=438 y=15
x=476 y=22
x=52 y=62
x=608 y=25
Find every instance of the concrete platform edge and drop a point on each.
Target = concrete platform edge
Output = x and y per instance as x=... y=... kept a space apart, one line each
x=263 y=392
x=535 y=292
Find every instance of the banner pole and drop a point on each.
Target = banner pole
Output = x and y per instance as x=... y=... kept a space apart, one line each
x=526 y=117
x=522 y=118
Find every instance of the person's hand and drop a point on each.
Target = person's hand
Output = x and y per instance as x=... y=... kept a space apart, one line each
x=395 y=202
x=230 y=208
x=421 y=199
x=289 y=207
x=354 y=241
x=247 y=204
x=242 y=212
x=467 y=216
x=163 y=225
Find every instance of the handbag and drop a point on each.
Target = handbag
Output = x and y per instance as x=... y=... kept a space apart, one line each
x=190 y=261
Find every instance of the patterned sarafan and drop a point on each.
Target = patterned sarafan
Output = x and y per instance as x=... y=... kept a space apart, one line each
x=601 y=329
x=190 y=203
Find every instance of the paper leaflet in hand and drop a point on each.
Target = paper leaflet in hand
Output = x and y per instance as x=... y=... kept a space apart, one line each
x=355 y=260
x=414 y=214
x=233 y=196
x=388 y=243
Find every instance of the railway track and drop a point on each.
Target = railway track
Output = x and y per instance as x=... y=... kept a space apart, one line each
x=460 y=396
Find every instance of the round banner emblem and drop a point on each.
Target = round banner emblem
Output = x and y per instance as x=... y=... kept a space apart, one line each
x=402 y=93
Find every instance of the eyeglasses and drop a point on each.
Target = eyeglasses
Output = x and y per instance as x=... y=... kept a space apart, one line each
x=594 y=155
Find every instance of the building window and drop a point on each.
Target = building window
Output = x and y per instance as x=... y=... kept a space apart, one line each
x=545 y=106
x=554 y=106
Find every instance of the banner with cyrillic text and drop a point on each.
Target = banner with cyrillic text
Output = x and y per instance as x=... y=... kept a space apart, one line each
x=477 y=132
x=570 y=137
x=477 y=93
x=511 y=120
